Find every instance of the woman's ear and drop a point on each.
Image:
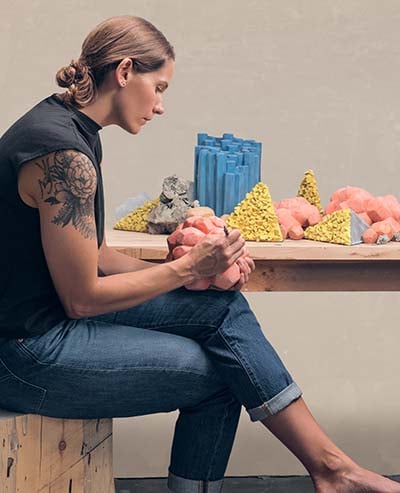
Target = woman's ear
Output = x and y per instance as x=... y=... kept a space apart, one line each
x=123 y=71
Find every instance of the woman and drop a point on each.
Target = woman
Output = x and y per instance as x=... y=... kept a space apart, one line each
x=88 y=332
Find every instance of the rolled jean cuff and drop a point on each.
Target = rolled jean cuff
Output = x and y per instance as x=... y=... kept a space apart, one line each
x=276 y=404
x=183 y=485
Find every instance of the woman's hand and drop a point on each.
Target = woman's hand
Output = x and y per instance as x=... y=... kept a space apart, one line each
x=246 y=266
x=215 y=253
x=250 y=263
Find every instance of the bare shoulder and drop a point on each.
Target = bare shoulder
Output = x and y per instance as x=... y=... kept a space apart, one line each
x=63 y=182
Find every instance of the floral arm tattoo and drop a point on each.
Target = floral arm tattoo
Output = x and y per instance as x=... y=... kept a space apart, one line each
x=70 y=179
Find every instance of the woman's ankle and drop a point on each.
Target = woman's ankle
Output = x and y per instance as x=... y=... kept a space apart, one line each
x=333 y=464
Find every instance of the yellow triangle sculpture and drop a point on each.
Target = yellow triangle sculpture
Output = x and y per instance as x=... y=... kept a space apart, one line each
x=344 y=227
x=308 y=189
x=137 y=219
x=255 y=216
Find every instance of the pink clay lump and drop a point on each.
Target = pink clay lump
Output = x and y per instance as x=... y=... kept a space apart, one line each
x=189 y=234
x=294 y=214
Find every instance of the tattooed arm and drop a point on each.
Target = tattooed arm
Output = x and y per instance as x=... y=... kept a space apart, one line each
x=63 y=185
x=77 y=172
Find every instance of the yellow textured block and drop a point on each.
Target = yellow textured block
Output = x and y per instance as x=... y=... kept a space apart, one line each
x=255 y=216
x=344 y=227
x=137 y=219
x=308 y=189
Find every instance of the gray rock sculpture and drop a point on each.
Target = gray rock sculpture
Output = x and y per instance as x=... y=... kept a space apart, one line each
x=173 y=206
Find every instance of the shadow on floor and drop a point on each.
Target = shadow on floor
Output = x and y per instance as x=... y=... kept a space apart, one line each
x=258 y=484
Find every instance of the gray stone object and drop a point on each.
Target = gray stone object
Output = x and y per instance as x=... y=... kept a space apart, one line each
x=173 y=206
x=382 y=240
x=357 y=228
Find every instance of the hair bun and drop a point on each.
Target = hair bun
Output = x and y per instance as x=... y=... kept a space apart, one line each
x=81 y=70
x=77 y=79
x=74 y=73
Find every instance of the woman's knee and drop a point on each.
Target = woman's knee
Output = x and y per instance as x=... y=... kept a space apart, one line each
x=208 y=387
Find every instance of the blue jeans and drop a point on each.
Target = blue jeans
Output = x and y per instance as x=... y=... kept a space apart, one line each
x=202 y=352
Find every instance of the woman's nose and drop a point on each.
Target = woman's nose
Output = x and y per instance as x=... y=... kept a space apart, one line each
x=159 y=107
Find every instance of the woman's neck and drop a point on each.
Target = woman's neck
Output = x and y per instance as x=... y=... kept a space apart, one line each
x=101 y=110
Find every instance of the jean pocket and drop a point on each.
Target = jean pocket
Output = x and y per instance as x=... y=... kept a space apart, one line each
x=43 y=348
x=17 y=394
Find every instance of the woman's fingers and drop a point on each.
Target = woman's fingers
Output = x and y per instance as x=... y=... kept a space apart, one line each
x=238 y=286
x=243 y=266
x=233 y=236
x=250 y=262
x=236 y=244
x=244 y=269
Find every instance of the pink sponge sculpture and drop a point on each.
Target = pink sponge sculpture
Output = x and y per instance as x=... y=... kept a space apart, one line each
x=381 y=213
x=189 y=234
x=294 y=214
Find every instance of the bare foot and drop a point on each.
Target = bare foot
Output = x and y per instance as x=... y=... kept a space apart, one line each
x=356 y=480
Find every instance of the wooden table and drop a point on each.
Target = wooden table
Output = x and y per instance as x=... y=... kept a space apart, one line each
x=294 y=265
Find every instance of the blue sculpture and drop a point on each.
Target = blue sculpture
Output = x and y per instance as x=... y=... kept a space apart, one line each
x=225 y=169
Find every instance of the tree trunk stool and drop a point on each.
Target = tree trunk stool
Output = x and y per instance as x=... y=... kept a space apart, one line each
x=51 y=455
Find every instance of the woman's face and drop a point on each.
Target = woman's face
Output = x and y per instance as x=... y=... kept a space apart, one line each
x=140 y=96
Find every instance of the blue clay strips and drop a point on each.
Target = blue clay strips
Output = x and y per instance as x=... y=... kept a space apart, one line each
x=225 y=169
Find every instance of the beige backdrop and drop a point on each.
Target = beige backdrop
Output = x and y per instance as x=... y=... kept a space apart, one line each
x=318 y=83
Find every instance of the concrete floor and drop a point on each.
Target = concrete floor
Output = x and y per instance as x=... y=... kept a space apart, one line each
x=260 y=484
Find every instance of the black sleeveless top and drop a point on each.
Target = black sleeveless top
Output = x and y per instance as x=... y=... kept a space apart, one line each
x=29 y=303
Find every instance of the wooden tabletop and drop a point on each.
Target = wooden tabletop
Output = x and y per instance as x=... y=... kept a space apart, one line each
x=155 y=247
x=290 y=265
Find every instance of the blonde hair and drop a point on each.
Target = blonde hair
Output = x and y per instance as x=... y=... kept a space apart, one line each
x=103 y=49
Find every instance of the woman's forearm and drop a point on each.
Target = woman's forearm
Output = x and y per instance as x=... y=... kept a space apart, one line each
x=121 y=291
x=212 y=255
x=113 y=262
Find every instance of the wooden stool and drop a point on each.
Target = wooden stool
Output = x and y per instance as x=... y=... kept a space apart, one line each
x=51 y=455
